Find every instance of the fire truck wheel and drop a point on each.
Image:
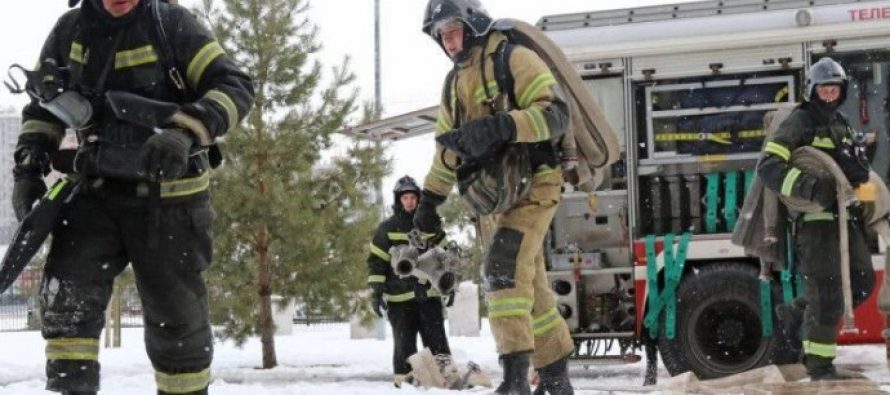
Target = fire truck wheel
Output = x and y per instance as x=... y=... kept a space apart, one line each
x=718 y=326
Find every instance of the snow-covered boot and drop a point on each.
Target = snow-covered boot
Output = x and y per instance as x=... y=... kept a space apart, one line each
x=555 y=379
x=515 y=374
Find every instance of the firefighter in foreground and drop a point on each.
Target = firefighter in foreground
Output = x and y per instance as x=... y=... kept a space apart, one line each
x=158 y=216
x=412 y=307
x=818 y=123
x=476 y=125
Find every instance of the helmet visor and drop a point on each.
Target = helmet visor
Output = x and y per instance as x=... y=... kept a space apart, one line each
x=446 y=25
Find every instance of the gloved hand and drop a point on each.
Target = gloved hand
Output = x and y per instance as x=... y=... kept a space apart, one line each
x=480 y=138
x=165 y=155
x=855 y=168
x=426 y=219
x=31 y=164
x=25 y=192
x=377 y=302
x=450 y=299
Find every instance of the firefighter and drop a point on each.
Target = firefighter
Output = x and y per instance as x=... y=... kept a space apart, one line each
x=472 y=129
x=817 y=122
x=145 y=195
x=411 y=307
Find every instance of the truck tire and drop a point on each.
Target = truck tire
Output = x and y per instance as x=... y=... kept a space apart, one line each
x=718 y=326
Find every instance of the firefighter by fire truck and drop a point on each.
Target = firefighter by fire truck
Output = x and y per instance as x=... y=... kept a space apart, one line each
x=818 y=123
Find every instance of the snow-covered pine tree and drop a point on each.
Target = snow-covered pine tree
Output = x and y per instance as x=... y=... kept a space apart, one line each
x=291 y=221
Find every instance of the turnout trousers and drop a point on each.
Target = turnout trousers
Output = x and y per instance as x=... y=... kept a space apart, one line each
x=818 y=250
x=169 y=243
x=521 y=306
x=424 y=316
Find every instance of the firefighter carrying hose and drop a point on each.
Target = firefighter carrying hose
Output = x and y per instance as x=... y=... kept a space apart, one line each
x=476 y=129
x=818 y=123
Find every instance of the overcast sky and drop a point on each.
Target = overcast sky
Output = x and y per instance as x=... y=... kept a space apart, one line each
x=413 y=66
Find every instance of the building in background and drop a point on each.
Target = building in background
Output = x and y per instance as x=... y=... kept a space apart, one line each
x=10 y=123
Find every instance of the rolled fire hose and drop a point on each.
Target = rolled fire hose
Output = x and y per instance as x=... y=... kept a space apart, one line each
x=817 y=163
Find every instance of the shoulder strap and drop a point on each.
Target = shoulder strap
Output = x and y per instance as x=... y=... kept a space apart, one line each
x=502 y=73
x=165 y=55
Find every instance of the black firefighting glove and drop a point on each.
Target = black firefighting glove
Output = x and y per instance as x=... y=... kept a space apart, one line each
x=450 y=299
x=165 y=155
x=426 y=219
x=377 y=302
x=32 y=162
x=26 y=192
x=823 y=193
x=480 y=138
x=854 y=166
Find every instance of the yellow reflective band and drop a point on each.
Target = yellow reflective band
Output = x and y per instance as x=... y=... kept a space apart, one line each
x=376 y=278
x=823 y=142
x=751 y=133
x=51 y=195
x=443 y=174
x=777 y=150
x=542 y=131
x=202 y=59
x=378 y=252
x=509 y=307
x=182 y=383
x=77 y=54
x=542 y=81
x=135 y=57
x=227 y=104
x=399 y=298
x=820 y=349
x=823 y=216
x=442 y=126
x=397 y=236
x=790 y=178
x=781 y=94
x=185 y=186
x=480 y=97
x=50 y=129
x=545 y=322
x=81 y=349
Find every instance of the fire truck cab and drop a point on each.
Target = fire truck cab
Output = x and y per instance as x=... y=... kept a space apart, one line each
x=646 y=259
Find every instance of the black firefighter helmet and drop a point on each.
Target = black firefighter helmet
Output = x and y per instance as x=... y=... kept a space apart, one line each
x=826 y=71
x=405 y=185
x=470 y=12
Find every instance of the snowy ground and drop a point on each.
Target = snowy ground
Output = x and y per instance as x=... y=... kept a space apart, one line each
x=317 y=360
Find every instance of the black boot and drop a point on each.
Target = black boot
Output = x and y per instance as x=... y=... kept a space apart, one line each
x=819 y=369
x=78 y=392
x=790 y=320
x=515 y=374
x=555 y=379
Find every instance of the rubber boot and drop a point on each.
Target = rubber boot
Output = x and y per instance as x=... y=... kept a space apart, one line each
x=515 y=374
x=791 y=319
x=555 y=379
x=821 y=369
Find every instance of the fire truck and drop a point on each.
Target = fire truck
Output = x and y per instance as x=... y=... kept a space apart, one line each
x=646 y=259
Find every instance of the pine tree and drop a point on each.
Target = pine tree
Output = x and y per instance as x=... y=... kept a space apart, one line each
x=290 y=222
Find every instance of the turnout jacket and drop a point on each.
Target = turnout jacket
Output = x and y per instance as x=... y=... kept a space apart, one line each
x=219 y=94
x=541 y=116
x=806 y=125
x=393 y=232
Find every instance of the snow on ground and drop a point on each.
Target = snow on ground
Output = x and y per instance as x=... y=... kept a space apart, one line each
x=318 y=360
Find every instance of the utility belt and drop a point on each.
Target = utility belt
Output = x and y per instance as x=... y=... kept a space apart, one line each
x=854 y=214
